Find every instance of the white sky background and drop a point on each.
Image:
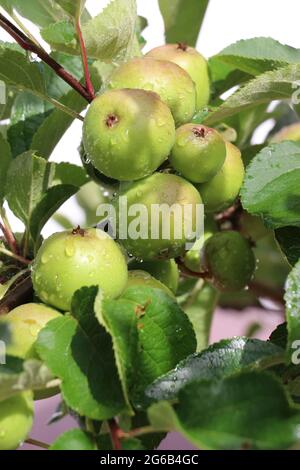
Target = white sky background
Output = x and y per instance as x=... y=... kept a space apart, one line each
x=226 y=22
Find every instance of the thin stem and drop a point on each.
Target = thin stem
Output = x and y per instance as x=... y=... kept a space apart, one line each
x=88 y=82
x=64 y=108
x=37 y=443
x=18 y=258
x=115 y=434
x=28 y=45
x=7 y=232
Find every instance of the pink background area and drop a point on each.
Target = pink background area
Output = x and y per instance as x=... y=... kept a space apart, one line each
x=226 y=324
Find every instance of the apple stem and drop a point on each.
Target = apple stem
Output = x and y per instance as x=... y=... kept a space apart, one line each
x=28 y=45
x=88 y=82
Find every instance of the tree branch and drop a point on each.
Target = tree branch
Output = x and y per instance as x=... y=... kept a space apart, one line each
x=8 y=234
x=28 y=45
x=34 y=442
x=88 y=81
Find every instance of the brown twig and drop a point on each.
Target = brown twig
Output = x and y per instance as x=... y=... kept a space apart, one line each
x=14 y=256
x=88 y=81
x=116 y=434
x=28 y=45
x=231 y=215
x=36 y=443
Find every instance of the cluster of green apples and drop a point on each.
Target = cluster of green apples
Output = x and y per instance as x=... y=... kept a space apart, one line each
x=143 y=119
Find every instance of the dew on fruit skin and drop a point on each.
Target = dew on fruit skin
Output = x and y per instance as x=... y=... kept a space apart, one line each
x=45 y=258
x=2 y=434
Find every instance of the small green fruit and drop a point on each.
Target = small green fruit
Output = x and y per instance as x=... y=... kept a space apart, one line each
x=221 y=191
x=128 y=134
x=25 y=323
x=173 y=84
x=166 y=271
x=16 y=417
x=229 y=260
x=159 y=191
x=199 y=152
x=68 y=261
x=192 y=62
x=141 y=278
x=193 y=259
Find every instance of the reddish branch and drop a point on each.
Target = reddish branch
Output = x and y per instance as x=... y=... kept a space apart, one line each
x=186 y=272
x=115 y=433
x=10 y=238
x=28 y=45
x=88 y=81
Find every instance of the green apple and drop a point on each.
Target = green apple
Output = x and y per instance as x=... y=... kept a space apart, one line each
x=222 y=190
x=16 y=417
x=199 y=152
x=168 y=80
x=166 y=271
x=161 y=216
x=142 y=278
x=192 y=62
x=229 y=260
x=25 y=323
x=128 y=134
x=70 y=260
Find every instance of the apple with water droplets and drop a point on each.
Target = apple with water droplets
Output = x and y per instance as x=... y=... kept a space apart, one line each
x=70 y=260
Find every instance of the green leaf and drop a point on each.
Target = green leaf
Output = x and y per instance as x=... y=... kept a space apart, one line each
x=73 y=7
x=275 y=85
x=54 y=127
x=5 y=160
x=74 y=439
x=220 y=360
x=253 y=57
x=40 y=12
x=200 y=307
x=246 y=411
x=289 y=241
x=35 y=189
x=77 y=349
x=279 y=336
x=17 y=72
x=61 y=36
x=150 y=334
x=183 y=19
x=292 y=300
x=17 y=376
x=111 y=34
x=271 y=187
x=28 y=113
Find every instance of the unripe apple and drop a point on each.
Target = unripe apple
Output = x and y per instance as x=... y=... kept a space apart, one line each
x=127 y=134
x=25 y=323
x=229 y=260
x=166 y=271
x=199 y=152
x=221 y=191
x=173 y=84
x=192 y=258
x=166 y=218
x=16 y=417
x=192 y=62
x=142 y=278
x=70 y=260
